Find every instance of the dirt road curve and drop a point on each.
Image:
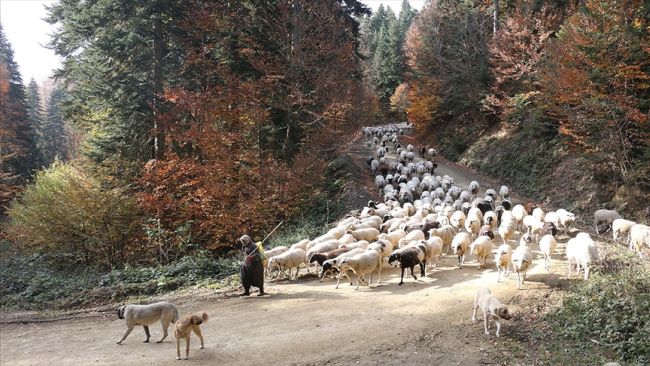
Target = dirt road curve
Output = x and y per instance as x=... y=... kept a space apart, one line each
x=306 y=322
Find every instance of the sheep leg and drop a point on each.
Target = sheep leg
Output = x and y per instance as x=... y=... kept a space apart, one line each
x=586 y=271
x=413 y=274
x=338 y=280
x=401 y=281
x=485 y=324
x=498 y=323
x=379 y=273
x=499 y=275
x=422 y=269
x=518 y=280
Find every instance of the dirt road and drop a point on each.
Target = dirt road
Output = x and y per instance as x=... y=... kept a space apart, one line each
x=305 y=322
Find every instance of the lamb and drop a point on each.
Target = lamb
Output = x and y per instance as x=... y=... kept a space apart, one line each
x=621 y=229
x=606 y=218
x=583 y=251
x=482 y=248
x=521 y=259
x=409 y=257
x=503 y=259
x=293 y=258
x=547 y=245
x=460 y=244
x=362 y=264
x=331 y=265
x=639 y=238
x=368 y=234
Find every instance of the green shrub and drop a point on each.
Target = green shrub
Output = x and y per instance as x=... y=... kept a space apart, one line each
x=67 y=210
x=612 y=309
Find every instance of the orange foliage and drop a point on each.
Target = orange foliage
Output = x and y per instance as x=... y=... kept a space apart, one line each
x=596 y=84
x=423 y=101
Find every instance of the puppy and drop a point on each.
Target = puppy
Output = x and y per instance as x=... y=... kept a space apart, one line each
x=492 y=308
x=185 y=327
x=146 y=315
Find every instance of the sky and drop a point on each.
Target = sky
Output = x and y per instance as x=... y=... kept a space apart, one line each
x=23 y=24
x=394 y=4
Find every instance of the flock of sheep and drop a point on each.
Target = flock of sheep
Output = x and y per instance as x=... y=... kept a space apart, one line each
x=425 y=216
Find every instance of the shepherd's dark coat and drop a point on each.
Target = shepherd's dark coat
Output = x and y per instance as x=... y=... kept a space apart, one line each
x=251 y=271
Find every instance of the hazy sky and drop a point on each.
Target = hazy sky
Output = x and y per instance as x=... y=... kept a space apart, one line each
x=23 y=24
x=394 y=4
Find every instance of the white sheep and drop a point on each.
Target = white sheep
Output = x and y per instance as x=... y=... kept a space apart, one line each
x=383 y=247
x=393 y=236
x=460 y=244
x=414 y=235
x=522 y=258
x=473 y=225
x=362 y=264
x=362 y=244
x=323 y=247
x=507 y=230
x=457 y=220
x=336 y=232
x=301 y=244
x=518 y=214
x=553 y=218
x=583 y=251
x=621 y=229
x=566 y=219
x=446 y=233
x=504 y=192
x=368 y=234
x=491 y=218
x=538 y=213
x=347 y=239
x=503 y=259
x=293 y=258
x=270 y=253
x=547 y=246
x=434 y=250
x=482 y=248
x=605 y=217
x=639 y=238
x=333 y=263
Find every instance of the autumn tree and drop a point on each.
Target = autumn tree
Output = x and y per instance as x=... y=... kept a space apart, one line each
x=517 y=53
x=596 y=85
x=18 y=137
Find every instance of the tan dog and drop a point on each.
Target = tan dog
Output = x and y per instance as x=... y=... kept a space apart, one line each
x=185 y=327
x=146 y=315
x=492 y=308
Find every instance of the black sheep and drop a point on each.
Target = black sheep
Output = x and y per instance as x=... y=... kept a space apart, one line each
x=408 y=258
x=507 y=205
x=549 y=228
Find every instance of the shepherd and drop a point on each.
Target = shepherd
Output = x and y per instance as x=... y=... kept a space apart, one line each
x=251 y=271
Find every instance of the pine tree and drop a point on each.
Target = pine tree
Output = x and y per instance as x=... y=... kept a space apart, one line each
x=35 y=115
x=118 y=56
x=17 y=135
x=54 y=137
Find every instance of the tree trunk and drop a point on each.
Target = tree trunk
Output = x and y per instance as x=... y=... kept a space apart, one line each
x=158 y=53
x=496 y=16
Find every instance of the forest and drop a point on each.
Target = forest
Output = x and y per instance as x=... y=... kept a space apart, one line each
x=176 y=126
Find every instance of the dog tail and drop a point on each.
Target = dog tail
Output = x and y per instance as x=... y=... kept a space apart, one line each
x=175 y=316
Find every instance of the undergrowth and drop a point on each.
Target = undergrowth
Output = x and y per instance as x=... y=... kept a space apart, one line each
x=611 y=309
